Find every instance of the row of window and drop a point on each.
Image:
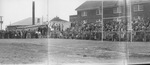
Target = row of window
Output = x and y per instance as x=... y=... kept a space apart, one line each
x=85 y=21
x=117 y=19
x=138 y=8
x=116 y=10
x=98 y=12
x=99 y=20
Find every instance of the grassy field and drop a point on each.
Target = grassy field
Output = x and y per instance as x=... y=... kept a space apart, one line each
x=70 y=51
x=85 y=51
x=139 y=52
x=88 y=51
x=23 y=51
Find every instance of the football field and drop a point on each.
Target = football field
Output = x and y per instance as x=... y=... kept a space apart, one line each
x=71 y=51
x=23 y=51
x=89 y=51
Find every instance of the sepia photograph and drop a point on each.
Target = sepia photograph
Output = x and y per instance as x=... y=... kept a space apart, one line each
x=74 y=32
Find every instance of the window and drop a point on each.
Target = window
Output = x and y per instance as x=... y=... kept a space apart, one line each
x=98 y=20
x=138 y=8
x=84 y=13
x=135 y=7
x=117 y=10
x=98 y=12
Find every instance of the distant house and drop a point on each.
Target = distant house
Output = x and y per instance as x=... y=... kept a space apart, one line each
x=28 y=21
x=62 y=24
x=24 y=23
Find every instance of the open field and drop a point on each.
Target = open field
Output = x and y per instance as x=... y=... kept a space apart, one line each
x=88 y=51
x=139 y=52
x=85 y=51
x=23 y=51
x=69 y=51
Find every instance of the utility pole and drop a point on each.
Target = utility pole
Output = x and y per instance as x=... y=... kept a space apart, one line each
x=33 y=13
x=47 y=10
x=102 y=22
x=126 y=44
x=1 y=22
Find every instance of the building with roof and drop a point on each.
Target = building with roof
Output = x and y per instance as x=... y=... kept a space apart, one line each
x=59 y=23
x=97 y=11
x=119 y=16
x=24 y=23
x=28 y=23
x=110 y=10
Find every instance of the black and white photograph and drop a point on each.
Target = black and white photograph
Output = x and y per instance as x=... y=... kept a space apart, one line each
x=74 y=32
x=23 y=31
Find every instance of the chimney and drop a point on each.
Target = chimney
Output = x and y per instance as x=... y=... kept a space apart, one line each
x=33 y=13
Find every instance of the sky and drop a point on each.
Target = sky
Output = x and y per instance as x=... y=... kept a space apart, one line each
x=16 y=10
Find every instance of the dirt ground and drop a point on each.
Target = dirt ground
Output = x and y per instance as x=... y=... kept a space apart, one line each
x=23 y=51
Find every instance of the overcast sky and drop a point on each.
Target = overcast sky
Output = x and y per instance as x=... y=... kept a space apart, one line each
x=16 y=10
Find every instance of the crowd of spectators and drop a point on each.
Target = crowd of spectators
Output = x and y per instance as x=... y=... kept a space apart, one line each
x=141 y=29
x=23 y=34
x=86 y=31
x=112 y=31
x=93 y=31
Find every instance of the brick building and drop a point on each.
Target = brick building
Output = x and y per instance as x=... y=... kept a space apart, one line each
x=105 y=12
x=91 y=11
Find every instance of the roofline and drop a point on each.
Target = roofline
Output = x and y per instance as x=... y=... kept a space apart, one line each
x=107 y=7
x=87 y=9
x=25 y=19
x=59 y=21
x=17 y=25
x=30 y=26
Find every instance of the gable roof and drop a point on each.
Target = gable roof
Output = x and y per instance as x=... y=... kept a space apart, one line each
x=57 y=19
x=140 y=1
x=88 y=5
x=96 y=4
x=27 y=21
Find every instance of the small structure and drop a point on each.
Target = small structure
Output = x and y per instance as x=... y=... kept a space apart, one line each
x=59 y=24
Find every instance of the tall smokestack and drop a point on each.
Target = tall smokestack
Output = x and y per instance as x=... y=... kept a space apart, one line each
x=33 y=13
